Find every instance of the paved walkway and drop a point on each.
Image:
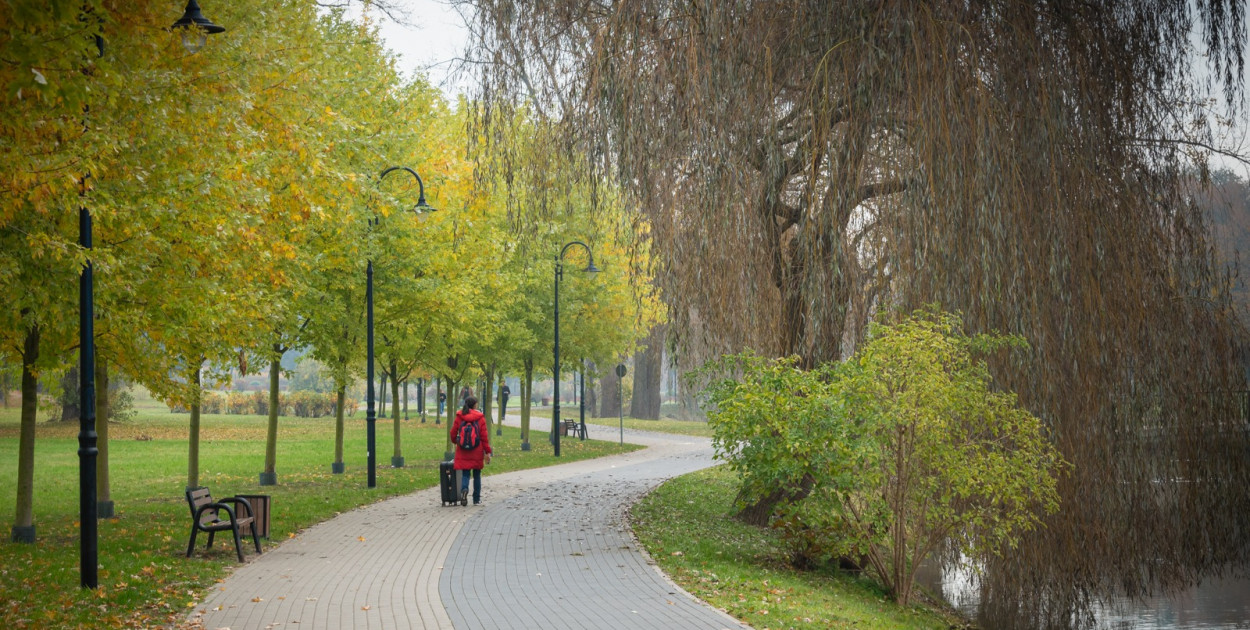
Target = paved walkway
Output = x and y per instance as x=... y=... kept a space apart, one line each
x=549 y=549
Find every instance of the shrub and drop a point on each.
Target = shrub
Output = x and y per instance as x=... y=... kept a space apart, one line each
x=212 y=402
x=901 y=450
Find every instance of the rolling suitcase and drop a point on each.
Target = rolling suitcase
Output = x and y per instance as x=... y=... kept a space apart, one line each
x=449 y=481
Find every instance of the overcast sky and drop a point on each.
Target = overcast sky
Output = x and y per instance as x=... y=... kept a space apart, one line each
x=434 y=35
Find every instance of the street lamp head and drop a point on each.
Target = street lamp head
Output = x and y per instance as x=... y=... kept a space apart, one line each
x=421 y=206
x=195 y=28
x=591 y=268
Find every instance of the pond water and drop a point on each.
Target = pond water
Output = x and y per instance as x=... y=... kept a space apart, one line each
x=1216 y=604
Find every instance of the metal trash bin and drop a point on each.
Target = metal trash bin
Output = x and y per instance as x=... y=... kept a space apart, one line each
x=260 y=506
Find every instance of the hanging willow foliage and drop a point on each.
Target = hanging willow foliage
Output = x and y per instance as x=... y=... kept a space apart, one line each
x=808 y=164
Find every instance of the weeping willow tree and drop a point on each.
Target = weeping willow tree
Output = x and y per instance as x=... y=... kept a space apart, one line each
x=806 y=164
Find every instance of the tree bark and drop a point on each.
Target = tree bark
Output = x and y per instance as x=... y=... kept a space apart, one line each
x=648 y=371
x=591 y=393
x=24 y=523
x=527 y=398
x=338 y=429
x=484 y=396
x=269 y=476
x=609 y=394
x=503 y=409
x=69 y=396
x=193 y=435
x=450 y=448
x=438 y=390
x=382 y=395
x=760 y=512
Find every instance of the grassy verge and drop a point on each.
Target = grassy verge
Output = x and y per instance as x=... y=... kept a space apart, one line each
x=741 y=569
x=145 y=579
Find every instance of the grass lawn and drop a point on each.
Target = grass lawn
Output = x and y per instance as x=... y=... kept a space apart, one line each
x=145 y=579
x=684 y=525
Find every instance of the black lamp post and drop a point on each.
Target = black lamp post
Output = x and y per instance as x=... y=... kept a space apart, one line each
x=88 y=451
x=195 y=28
x=555 y=396
x=371 y=415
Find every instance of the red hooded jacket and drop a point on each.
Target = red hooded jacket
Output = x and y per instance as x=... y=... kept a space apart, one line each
x=473 y=458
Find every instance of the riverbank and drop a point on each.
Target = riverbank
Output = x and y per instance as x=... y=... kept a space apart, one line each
x=686 y=526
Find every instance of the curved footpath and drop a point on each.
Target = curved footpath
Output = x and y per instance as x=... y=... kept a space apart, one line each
x=549 y=548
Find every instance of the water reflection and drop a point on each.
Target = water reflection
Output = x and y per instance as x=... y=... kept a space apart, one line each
x=1216 y=604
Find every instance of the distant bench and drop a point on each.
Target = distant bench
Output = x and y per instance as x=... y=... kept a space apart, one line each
x=212 y=516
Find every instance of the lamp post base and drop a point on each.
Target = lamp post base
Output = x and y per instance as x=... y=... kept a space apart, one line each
x=23 y=534
x=397 y=462
x=525 y=446
x=269 y=478
x=104 y=509
x=336 y=468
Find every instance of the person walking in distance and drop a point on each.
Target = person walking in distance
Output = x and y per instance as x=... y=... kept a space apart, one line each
x=473 y=451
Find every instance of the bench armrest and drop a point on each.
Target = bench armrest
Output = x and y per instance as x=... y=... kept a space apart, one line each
x=219 y=506
x=236 y=500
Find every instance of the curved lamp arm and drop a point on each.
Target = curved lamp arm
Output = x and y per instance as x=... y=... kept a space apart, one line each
x=590 y=266
x=420 y=185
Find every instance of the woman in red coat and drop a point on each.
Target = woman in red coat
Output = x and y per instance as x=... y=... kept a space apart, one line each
x=470 y=459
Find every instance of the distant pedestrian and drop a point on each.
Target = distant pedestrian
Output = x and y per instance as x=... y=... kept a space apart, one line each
x=473 y=450
x=465 y=392
x=442 y=401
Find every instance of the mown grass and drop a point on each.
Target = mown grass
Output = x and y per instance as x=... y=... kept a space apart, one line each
x=685 y=526
x=145 y=579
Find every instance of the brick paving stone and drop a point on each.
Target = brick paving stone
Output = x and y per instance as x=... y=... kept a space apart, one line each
x=549 y=549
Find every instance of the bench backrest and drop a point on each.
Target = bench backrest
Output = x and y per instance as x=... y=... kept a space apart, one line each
x=199 y=497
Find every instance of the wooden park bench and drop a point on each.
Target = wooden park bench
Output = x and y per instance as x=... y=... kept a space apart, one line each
x=212 y=516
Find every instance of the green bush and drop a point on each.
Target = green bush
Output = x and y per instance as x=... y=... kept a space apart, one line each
x=890 y=455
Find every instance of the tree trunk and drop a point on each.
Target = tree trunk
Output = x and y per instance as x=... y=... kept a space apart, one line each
x=104 y=500
x=382 y=395
x=484 y=396
x=24 y=525
x=69 y=396
x=337 y=468
x=193 y=436
x=4 y=385
x=503 y=408
x=450 y=450
x=397 y=459
x=405 y=400
x=527 y=397
x=648 y=371
x=269 y=476
x=760 y=512
x=688 y=405
x=438 y=407
x=610 y=394
x=590 y=391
